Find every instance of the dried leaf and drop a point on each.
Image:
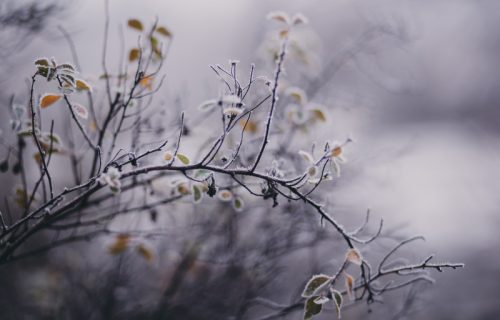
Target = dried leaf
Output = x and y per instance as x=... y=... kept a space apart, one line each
x=337 y=151
x=251 y=126
x=168 y=156
x=82 y=85
x=316 y=283
x=49 y=99
x=120 y=244
x=318 y=114
x=145 y=252
x=225 y=195
x=298 y=94
x=353 y=256
x=135 y=24
x=349 y=285
x=147 y=82
x=164 y=31
x=133 y=54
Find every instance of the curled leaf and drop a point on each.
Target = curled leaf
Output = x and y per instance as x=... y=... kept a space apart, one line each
x=49 y=99
x=349 y=285
x=337 y=301
x=299 y=18
x=353 y=256
x=318 y=114
x=279 y=16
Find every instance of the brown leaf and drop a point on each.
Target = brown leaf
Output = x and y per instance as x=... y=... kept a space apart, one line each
x=251 y=126
x=135 y=24
x=145 y=252
x=164 y=31
x=133 y=54
x=120 y=245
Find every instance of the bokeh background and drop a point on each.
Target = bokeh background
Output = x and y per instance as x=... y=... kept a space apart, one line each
x=422 y=103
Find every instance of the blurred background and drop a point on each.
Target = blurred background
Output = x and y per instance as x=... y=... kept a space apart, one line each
x=416 y=84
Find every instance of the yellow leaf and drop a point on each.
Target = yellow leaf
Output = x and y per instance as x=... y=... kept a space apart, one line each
x=145 y=252
x=283 y=33
x=49 y=99
x=120 y=245
x=135 y=24
x=38 y=158
x=164 y=31
x=82 y=85
x=133 y=54
x=147 y=82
